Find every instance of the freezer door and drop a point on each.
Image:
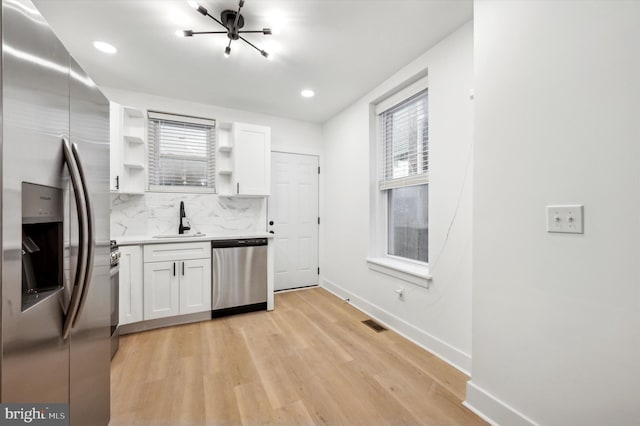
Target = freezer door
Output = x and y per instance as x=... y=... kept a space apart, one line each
x=90 y=335
x=35 y=103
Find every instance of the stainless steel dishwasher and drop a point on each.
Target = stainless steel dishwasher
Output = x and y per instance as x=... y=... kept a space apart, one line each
x=239 y=276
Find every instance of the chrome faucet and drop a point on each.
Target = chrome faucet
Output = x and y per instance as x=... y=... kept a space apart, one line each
x=182 y=227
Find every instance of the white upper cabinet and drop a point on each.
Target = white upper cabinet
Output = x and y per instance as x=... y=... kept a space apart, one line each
x=128 y=149
x=252 y=159
x=244 y=159
x=116 y=166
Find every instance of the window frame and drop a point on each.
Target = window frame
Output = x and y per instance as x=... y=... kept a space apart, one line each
x=379 y=260
x=181 y=118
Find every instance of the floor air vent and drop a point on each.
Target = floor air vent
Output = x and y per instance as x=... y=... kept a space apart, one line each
x=374 y=325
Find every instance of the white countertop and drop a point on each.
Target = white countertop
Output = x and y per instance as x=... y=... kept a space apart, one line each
x=141 y=239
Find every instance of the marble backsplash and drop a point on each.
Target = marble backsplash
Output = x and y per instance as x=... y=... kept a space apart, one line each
x=157 y=213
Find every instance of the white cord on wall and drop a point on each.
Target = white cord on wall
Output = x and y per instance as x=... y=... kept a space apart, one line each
x=432 y=266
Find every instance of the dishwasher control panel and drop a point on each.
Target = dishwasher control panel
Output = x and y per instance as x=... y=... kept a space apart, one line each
x=249 y=242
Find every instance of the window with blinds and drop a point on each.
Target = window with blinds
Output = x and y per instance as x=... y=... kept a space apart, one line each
x=404 y=173
x=405 y=143
x=181 y=152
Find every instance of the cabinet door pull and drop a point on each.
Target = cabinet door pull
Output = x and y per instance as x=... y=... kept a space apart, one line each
x=237 y=187
x=174 y=269
x=183 y=269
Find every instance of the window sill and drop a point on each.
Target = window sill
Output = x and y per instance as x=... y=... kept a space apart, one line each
x=406 y=271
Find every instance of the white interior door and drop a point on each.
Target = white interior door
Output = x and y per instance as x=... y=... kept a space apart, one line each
x=293 y=218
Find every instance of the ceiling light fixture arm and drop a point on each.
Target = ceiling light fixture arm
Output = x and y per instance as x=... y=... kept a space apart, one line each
x=207 y=32
x=262 y=52
x=205 y=12
x=227 y=50
x=235 y=23
x=265 y=31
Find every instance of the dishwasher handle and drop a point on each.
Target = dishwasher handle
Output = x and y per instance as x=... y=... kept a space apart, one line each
x=250 y=242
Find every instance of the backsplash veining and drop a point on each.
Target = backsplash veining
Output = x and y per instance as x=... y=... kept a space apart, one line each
x=156 y=213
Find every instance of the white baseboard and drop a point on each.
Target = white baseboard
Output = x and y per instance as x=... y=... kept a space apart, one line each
x=455 y=357
x=492 y=409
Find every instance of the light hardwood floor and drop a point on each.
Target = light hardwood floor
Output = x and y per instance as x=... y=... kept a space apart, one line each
x=310 y=361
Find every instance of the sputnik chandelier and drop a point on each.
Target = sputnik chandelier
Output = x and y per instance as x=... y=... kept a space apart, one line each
x=232 y=21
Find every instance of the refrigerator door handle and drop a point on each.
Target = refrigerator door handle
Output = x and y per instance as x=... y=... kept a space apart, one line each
x=81 y=266
x=90 y=234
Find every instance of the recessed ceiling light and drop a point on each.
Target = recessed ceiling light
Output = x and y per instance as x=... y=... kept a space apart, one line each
x=307 y=93
x=105 y=47
x=193 y=4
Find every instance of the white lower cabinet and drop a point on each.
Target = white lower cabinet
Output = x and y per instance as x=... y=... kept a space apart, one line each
x=195 y=286
x=161 y=290
x=179 y=284
x=131 y=285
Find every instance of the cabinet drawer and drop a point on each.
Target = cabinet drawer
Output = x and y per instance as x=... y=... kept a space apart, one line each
x=177 y=251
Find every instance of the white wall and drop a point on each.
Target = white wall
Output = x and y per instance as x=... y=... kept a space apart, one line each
x=286 y=135
x=438 y=318
x=556 y=318
x=155 y=213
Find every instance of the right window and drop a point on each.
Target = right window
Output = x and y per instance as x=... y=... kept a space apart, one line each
x=404 y=176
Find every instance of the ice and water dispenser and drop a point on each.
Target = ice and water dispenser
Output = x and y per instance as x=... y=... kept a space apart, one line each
x=42 y=242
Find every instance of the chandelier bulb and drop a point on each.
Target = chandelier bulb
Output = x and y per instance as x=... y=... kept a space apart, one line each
x=202 y=10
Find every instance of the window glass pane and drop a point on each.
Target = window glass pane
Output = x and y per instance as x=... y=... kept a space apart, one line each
x=181 y=154
x=183 y=172
x=408 y=228
x=405 y=139
x=183 y=139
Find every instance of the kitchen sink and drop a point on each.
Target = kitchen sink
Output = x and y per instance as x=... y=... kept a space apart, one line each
x=180 y=235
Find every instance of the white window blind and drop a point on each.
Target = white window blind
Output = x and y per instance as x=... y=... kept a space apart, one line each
x=181 y=152
x=405 y=143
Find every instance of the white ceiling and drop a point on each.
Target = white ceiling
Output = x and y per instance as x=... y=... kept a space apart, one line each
x=339 y=48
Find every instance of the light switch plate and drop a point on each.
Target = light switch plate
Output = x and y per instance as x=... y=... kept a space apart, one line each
x=568 y=219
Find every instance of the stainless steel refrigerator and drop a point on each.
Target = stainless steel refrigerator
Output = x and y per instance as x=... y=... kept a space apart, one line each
x=55 y=224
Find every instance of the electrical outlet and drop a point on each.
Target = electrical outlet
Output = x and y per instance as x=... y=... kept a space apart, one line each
x=568 y=219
